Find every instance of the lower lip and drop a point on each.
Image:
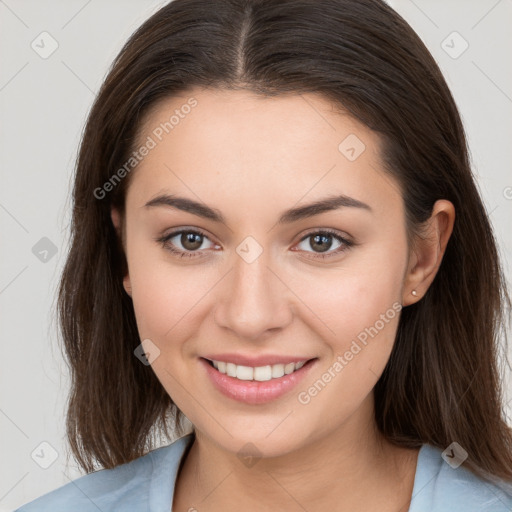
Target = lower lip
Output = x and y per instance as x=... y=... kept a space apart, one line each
x=255 y=392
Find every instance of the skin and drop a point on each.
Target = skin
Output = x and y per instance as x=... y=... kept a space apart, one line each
x=251 y=158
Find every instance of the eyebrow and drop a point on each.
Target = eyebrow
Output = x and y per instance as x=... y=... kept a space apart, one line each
x=287 y=217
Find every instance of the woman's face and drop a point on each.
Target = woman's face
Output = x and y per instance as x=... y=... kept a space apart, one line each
x=260 y=283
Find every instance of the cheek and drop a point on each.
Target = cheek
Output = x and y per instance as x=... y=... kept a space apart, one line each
x=165 y=296
x=362 y=311
x=347 y=301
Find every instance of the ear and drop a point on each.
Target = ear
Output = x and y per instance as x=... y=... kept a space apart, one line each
x=118 y=221
x=428 y=251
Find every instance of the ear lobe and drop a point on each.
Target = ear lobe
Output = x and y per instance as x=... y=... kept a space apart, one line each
x=428 y=251
x=127 y=285
x=117 y=221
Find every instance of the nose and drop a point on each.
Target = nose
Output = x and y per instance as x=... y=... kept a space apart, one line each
x=254 y=300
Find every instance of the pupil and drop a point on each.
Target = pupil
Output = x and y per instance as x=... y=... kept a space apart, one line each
x=323 y=241
x=191 y=241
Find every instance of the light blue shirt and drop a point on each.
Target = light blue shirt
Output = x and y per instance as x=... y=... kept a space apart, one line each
x=147 y=484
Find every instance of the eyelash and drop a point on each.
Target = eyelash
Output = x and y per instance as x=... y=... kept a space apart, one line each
x=164 y=240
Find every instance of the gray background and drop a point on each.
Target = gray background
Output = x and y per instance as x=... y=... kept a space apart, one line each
x=43 y=107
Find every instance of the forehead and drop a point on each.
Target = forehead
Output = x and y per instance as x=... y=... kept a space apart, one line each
x=236 y=144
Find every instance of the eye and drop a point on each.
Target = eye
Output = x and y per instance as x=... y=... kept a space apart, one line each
x=190 y=240
x=321 y=240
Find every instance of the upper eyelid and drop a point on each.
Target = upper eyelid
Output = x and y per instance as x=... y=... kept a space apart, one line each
x=179 y=231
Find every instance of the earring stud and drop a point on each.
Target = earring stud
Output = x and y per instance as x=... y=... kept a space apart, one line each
x=415 y=293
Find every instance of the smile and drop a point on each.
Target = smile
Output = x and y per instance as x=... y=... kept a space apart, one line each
x=259 y=373
x=256 y=385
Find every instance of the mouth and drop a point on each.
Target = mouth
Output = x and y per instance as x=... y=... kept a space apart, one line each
x=256 y=373
x=255 y=385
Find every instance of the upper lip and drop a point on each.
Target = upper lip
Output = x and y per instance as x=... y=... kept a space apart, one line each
x=255 y=361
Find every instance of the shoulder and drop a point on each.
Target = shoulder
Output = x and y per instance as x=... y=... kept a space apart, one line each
x=142 y=484
x=439 y=487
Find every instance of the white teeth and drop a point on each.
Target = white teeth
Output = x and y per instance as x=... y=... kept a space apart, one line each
x=259 y=373
x=289 y=368
x=244 y=372
x=262 y=373
x=231 y=369
x=277 y=371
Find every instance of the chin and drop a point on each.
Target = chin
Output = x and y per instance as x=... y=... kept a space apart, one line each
x=244 y=441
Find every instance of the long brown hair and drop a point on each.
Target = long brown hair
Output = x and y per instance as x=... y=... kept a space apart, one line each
x=442 y=381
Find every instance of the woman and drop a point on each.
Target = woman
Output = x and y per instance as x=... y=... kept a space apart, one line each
x=277 y=235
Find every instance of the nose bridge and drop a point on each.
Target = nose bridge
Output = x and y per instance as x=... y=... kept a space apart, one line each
x=255 y=299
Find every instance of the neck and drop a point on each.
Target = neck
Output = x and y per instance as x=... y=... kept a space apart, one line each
x=352 y=468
